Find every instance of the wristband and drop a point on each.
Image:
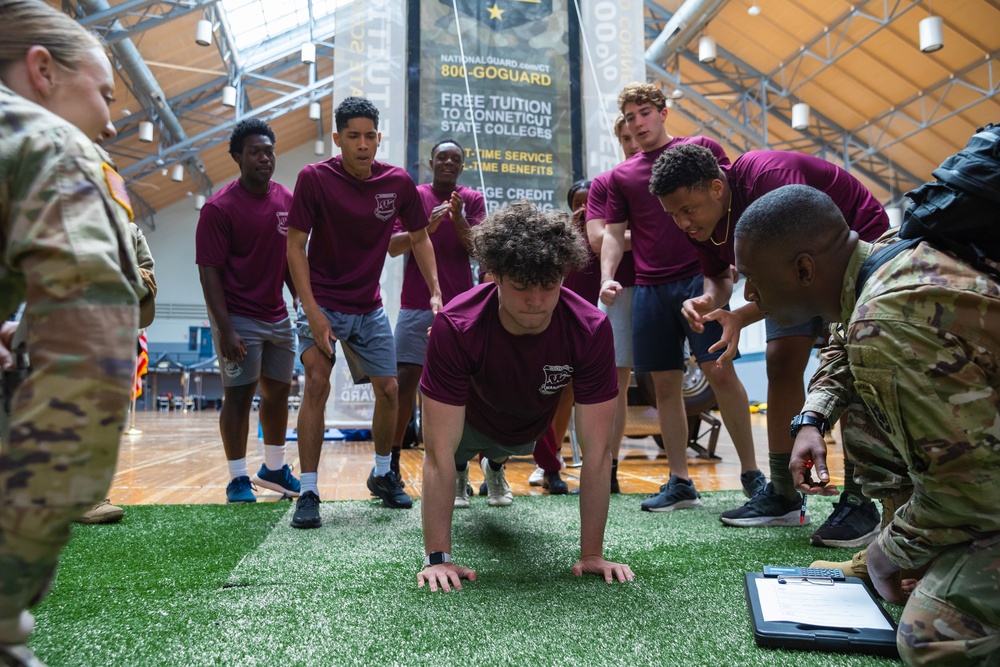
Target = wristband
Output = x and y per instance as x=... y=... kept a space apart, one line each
x=437 y=558
x=801 y=420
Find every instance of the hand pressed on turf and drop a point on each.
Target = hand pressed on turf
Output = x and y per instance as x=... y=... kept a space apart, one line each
x=445 y=576
x=604 y=568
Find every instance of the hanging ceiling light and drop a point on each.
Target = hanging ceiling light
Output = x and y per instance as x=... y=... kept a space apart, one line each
x=315 y=111
x=931 y=34
x=754 y=9
x=706 y=49
x=308 y=53
x=145 y=132
x=229 y=96
x=177 y=175
x=203 y=33
x=319 y=148
x=800 y=116
x=199 y=202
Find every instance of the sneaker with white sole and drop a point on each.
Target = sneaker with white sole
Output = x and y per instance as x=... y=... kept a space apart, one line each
x=462 y=488
x=676 y=494
x=767 y=508
x=536 y=478
x=496 y=485
x=281 y=480
x=854 y=522
x=18 y=655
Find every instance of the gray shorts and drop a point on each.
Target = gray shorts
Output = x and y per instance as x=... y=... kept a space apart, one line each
x=620 y=316
x=411 y=336
x=473 y=443
x=813 y=328
x=366 y=340
x=270 y=351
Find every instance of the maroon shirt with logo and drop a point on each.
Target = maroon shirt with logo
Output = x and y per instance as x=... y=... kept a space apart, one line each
x=351 y=222
x=243 y=235
x=509 y=384
x=597 y=204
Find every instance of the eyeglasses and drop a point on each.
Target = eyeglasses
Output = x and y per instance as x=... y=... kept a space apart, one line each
x=818 y=581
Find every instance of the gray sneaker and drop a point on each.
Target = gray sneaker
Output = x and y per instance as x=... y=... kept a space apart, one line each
x=497 y=487
x=676 y=494
x=767 y=508
x=462 y=488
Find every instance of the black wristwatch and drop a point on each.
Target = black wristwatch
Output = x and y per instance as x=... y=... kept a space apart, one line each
x=437 y=558
x=800 y=420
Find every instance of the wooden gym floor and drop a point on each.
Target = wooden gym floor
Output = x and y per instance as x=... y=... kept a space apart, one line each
x=178 y=459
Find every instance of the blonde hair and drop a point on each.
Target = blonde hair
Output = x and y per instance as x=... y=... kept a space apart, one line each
x=641 y=93
x=28 y=23
x=619 y=124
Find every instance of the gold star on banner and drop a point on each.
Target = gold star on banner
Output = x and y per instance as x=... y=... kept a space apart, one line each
x=495 y=12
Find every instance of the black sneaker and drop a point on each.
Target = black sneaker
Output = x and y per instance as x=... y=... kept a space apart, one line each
x=854 y=523
x=767 y=508
x=307 y=511
x=674 y=495
x=752 y=482
x=388 y=489
x=614 y=485
x=483 y=489
x=553 y=481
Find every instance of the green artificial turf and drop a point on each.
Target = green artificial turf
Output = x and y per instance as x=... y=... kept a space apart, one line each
x=235 y=585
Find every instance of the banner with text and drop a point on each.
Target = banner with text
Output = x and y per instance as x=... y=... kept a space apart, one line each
x=613 y=55
x=509 y=97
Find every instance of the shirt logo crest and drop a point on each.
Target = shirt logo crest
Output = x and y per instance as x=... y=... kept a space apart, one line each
x=283 y=223
x=385 y=206
x=556 y=378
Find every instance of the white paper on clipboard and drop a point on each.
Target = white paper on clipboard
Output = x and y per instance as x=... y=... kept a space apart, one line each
x=842 y=605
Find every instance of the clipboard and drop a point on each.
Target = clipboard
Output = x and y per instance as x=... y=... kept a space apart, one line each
x=841 y=618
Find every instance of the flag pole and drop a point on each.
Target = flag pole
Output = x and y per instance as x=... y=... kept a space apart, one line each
x=132 y=430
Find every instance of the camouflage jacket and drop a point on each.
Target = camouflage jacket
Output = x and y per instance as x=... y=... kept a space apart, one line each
x=920 y=348
x=65 y=251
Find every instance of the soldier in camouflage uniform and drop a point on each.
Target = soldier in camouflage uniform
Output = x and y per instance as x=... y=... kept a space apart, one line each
x=65 y=253
x=920 y=354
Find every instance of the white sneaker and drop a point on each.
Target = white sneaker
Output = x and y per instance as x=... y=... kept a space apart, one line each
x=496 y=485
x=536 y=478
x=462 y=488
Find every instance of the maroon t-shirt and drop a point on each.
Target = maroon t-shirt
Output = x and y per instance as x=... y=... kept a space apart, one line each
x=597 y=203
x=454 y=272
x=662 y=255
x=243 y=235
x=351 y=222
x=587 y=281
x=509 y=384
x=756 y=173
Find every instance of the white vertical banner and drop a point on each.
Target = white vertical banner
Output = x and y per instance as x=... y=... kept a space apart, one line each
x=370 y=62
x=613 y=55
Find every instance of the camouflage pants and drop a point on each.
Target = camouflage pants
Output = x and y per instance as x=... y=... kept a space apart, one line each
x=58 y=451
x=953 y=617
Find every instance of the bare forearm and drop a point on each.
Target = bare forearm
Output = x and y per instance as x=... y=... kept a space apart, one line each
x=215 y=297
x=423 y=252
x=612 y=249
x=399 y=244
x=298 y=267
x=438 y=501
x=595 y=494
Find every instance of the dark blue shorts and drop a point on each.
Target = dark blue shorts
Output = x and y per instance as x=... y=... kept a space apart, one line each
x=659 y=328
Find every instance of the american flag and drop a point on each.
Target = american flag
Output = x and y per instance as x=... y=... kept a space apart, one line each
x=141 y=365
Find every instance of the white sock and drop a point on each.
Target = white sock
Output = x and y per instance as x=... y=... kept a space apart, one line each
x=382 y=464
x=238 y=468
x=274 y=456
x=309 y=482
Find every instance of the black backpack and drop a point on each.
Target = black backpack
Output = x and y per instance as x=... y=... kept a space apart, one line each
x=959 y=212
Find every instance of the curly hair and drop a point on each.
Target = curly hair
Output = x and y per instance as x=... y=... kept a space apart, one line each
x=619 y=126
x=248 y=127
x=523 y=243
x=354 y=107
x=642 y=93
x=686 y=166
